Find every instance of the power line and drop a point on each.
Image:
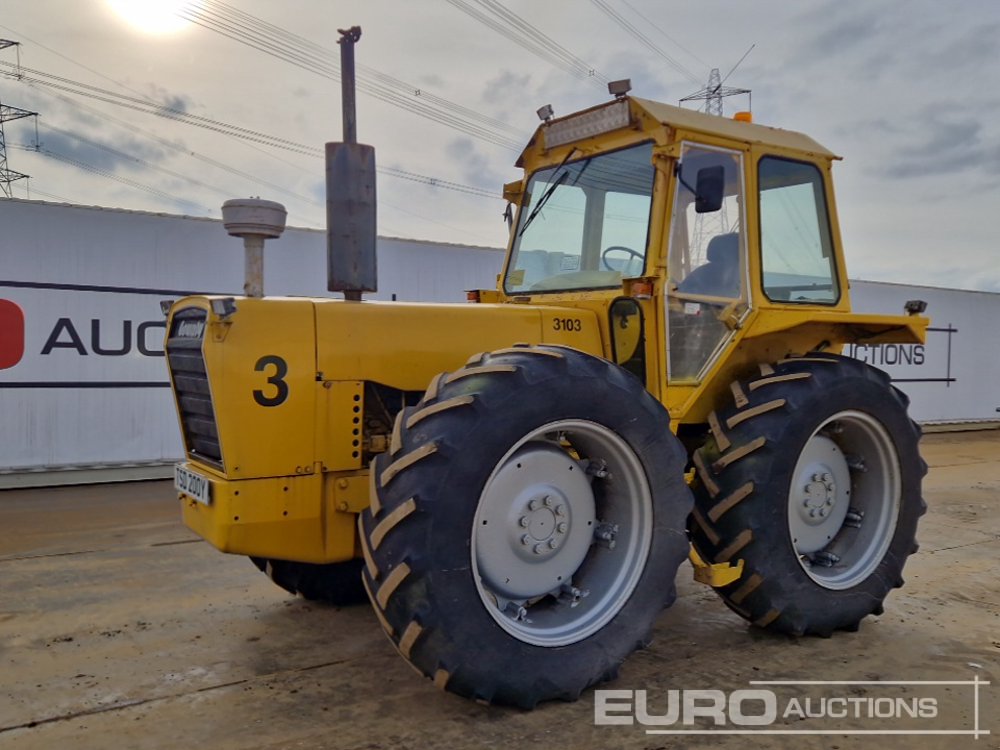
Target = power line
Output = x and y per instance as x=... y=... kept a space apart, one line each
x=116 y=177
x=505 y=22
x=435 y=182
x=738 y=63
x=134 y=159
x=328 y=58
x=50 y=195
x=144 y=104
x=132 y=128
x=673 y=41
x=309 y=51
x=302 y=53
x=145 y=188
x=29 y=75
x=97 y=73
x=645 y=41
x=78 y=88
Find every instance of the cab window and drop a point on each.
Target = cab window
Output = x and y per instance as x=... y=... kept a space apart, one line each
x=584 y=224
x=795 y=241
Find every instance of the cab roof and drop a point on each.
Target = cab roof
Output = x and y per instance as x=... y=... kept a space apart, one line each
x=689 y=120
x=752 y=133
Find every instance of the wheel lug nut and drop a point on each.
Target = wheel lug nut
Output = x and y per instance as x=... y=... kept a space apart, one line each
x=525 y=539
x=560 y=510
x=827 y=477
x=812 y=513
x=547 y=501
x=524 y=522
x=829 y=501
x=561 y=527
x=817 y=477
x=533 y=505
x=537 y=549
x=552 y=543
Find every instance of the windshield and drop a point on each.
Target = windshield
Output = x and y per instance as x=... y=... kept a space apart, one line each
x=584 y=224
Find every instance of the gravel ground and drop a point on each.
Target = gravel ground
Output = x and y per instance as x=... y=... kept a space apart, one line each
x=119 y=629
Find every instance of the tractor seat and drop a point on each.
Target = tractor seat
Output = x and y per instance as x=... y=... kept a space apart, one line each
x=720 y=276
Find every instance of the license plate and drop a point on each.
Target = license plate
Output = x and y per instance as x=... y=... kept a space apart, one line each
x=193 y=485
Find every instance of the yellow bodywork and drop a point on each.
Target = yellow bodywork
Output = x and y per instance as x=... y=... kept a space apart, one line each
x=292 y=475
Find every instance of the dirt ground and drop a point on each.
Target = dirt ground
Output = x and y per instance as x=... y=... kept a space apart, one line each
x=118 y=629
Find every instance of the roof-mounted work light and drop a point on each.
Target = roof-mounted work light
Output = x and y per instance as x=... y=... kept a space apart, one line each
x=620 y=88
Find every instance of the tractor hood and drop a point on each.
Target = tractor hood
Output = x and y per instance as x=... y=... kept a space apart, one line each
x=251 y=374
x=404 y=345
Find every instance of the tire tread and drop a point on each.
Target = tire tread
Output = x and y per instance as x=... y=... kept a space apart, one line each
x=725 y=521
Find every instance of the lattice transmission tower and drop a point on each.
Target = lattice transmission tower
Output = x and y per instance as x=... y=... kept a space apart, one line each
x=714 y=93
x=7 y=114
x=709 y=225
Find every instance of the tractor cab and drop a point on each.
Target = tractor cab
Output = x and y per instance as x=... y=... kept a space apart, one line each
x=699 y=230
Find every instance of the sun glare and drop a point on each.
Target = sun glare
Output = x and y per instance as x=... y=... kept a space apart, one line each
x=154 y=16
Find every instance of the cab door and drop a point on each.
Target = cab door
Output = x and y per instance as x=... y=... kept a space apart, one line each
x=707 y=291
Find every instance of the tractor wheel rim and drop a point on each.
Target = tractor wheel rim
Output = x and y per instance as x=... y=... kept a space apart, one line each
x=844 y=498
x=561 y=533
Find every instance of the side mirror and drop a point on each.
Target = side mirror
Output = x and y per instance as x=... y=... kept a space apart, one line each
x=709 y=189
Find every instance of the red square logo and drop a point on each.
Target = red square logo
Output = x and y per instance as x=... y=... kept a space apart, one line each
x=11 y=334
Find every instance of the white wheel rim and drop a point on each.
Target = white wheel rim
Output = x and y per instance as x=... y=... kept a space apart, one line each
x=844 y=499
x=541 y=567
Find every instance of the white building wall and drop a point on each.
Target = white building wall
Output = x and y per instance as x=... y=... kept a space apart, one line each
x=955 y=376
x=90 y=390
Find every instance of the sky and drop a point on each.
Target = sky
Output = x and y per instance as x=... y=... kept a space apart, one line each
x=907 y=91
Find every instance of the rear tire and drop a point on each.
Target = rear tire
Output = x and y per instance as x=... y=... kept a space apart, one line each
x=335 y=583
x=480 y=540
x=812 y=478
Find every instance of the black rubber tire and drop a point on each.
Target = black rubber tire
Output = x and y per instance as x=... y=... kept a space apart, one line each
x=335 y=583
x=775 y=415
x=432 y=612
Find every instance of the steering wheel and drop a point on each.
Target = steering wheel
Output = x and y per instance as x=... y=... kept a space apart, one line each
x=632 y=254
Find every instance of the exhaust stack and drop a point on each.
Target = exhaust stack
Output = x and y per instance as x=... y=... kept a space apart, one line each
x=350 y=194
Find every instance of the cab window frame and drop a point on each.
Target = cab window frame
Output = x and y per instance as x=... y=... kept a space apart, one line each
x=824 y=224
x=511 y=261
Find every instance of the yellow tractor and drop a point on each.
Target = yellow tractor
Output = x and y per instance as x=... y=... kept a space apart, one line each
x=514 y=482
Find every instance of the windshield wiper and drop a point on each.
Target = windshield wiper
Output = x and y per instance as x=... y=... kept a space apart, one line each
x=548 y=193
x=542 y=201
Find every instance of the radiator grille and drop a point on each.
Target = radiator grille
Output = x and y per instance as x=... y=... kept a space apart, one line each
x=190 y=379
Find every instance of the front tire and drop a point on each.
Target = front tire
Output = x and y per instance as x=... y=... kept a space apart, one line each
x=526 y=525
x=812 y=478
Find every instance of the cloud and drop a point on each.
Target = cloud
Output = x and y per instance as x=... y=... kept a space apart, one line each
x=970 y=50
x=842 y=31
x=431 y=80
x=473 y=164
x=506 y=87
x=96 y=151
x=948 y=145
x=167 y=99
x=874 y=126
x=316 y=189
